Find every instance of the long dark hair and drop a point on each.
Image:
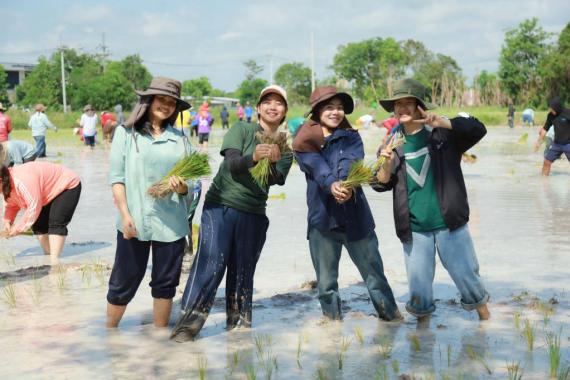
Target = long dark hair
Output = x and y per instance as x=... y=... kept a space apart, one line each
x=6 y=186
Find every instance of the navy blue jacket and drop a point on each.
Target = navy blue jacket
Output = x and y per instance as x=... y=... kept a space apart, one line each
x=330 y=164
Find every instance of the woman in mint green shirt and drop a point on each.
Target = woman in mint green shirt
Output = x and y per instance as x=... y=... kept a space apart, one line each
x=144 y=149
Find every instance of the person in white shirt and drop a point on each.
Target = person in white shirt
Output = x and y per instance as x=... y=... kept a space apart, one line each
x=89 y=124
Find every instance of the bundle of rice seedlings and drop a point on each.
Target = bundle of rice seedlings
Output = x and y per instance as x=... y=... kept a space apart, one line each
x=192 y=166
x=398 y=141
x=358 y=175
x=262 y=170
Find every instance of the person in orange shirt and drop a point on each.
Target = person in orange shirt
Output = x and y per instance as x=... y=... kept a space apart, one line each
x=49 y=194
x=5 y=124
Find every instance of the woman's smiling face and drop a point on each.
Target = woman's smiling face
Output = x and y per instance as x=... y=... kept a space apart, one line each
x=332 y=113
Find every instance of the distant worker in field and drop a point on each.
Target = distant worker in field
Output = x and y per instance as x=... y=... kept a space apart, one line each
x=108 y=125
x=528 y=117
x=183 y=120
x=248 y=110
x=511 y=115
x=240 y=111
x=5 y=124
x=558 y=118
x=225 y=117
x=88 y=123
x=119 y=114
x=366 y=121
x=14 y=152
x=39 y=124
x=205 y=122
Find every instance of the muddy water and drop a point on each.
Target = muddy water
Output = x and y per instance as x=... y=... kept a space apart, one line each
x=519 y=222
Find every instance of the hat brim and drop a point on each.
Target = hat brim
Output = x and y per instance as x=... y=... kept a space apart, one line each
x=182 y=104
x=388 y=104
x=346 y=99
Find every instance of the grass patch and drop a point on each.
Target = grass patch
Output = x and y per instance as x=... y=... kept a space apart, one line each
x=514 y=371
x=528 y=333
x=9 y=294
x=553 y=349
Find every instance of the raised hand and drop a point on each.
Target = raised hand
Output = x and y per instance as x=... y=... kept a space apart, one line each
x=432 y=119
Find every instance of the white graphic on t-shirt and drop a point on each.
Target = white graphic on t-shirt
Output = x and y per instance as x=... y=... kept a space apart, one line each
x=420 y=179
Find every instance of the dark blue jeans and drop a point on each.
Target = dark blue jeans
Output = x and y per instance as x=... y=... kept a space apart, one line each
x=229 y=239
x=325 y=250
x=40 y=146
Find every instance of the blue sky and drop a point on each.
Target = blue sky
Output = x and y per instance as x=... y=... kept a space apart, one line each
x=188 y=39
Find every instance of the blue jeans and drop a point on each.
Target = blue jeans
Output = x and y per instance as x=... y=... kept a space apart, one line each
x=229 y=239
x=40 y=146
x=325 y=250
x=457 y=254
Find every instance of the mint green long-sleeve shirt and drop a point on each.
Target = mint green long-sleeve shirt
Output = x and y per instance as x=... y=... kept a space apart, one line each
x=138 y=161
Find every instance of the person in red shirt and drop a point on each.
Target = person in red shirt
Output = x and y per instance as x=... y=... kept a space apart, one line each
x=5 y=124
x=108 y=124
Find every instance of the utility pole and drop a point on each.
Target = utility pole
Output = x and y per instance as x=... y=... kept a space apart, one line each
x=312 y=62
x=63 y=80
x=104 y=52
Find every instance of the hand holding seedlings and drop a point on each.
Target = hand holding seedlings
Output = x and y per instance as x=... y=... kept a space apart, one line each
x=177 y=185
x=340 y=193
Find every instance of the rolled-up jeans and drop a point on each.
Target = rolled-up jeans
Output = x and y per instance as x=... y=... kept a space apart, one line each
x=40 y=146
x=457 y=254
x=325 y=247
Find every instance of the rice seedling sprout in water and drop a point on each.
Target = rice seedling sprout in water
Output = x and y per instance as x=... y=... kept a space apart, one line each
x=382 y=372
x=299 y=350
x=251 y=372
x=553 y=343
x=395 y=366
x=86 y=273
x=564 y=373
x=8 y=258
x=528 y=332
x=344 y=345
x=475 y=356
x=9 y=294
x=449 y=355
x=517 y=319
x=192 y=166
x=385 y=348
x=359 y=335
x=202 y=366
x=61 y=273
x=321 y=374
x=416 y=344
x=514 y=371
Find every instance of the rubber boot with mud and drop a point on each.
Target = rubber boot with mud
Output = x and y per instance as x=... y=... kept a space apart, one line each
x=188 y=326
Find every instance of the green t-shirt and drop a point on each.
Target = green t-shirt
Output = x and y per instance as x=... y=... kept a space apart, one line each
x=425 y=214
x=240 y=191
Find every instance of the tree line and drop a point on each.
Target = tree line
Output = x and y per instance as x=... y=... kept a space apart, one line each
x=533 y=65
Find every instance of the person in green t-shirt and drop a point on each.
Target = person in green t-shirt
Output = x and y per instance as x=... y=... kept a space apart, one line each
x=430 y=200
x=234 y=224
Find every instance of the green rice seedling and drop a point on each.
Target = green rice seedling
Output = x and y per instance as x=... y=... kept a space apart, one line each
x=99 y=268
x=382 y=372
x=61 y=273
x=250 y=372
x=86 y=273
x=523 y=138
x=385 y=348
x=446 y=376
x=449 y=355
x=398 y=140
x=564 y=373
x=262 y=170
x=36 y=288
x=475 y=356
x=517 y=319
x=514 y=371
x=9 y=294
x=344 y=345
x=299 y=350
x=416 y=344
x=235 y=360
x=202 y=366
x=528 y=332
x=359 y=335
x=395 y=366
x=359 y=174
x=321 y=374
x=192 y=166
x=553 y=343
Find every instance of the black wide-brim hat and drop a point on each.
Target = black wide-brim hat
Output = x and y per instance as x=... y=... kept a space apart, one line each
x=168 y=87
x=325 y=93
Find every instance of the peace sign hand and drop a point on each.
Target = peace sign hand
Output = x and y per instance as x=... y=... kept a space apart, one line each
x=432 y=119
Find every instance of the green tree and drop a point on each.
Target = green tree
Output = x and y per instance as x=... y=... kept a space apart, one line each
x=3 y=86
x=487 y=86
x=133 y=69
x=252 y=69
x=555 y=67
x=370 y=65
x=248 y=90
x=42 y=85
x=442 y=77
x=197 y=87
x=524 y=47
x=296 y=79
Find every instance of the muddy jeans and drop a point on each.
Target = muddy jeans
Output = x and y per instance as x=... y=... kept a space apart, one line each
x=228 y=239
x=457 y=254
x=325 y=250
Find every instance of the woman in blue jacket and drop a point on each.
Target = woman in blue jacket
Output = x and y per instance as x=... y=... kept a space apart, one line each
x=325 y=147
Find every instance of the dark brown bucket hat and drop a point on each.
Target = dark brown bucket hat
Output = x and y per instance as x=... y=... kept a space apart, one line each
x=322 y=94
x=166 y=86
x=407 y=88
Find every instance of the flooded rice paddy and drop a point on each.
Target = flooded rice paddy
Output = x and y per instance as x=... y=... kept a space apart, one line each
x=52 y=323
